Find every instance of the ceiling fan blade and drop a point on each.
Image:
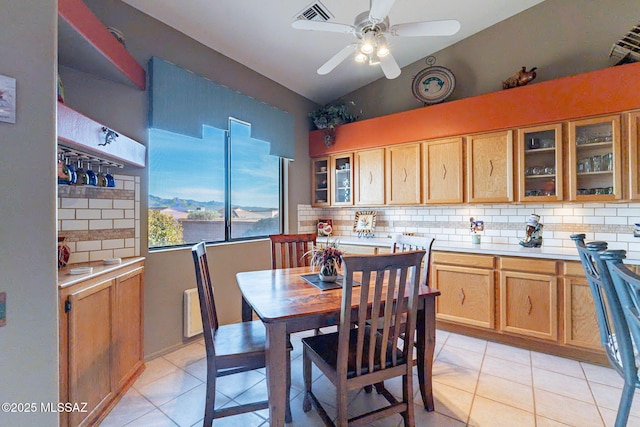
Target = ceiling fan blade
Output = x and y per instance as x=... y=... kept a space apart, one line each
x=447 y=27
x=302 y=24
x=380 y=9
x=389 y=67
x=336 y=59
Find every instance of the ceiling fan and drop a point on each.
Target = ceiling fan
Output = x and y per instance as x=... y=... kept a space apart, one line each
x=371 y=28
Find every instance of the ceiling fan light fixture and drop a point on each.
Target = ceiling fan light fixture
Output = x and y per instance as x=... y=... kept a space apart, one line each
x=368 y=43
x=361 y=57
x=373 y=60
x=383 y=49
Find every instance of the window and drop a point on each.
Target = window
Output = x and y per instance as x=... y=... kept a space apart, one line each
x=223 y=187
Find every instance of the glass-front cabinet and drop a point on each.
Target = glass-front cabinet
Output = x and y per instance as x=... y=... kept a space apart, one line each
x=320 y=181
x=595 y=159
x=341 y=179
x=540 y=163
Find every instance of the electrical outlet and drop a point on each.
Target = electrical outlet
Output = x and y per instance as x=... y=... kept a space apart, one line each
x=3 y=308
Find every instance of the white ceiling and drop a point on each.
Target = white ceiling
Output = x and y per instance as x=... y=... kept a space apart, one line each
x=258 y=34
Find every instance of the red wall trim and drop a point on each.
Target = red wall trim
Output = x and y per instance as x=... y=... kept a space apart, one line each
x=606 y=91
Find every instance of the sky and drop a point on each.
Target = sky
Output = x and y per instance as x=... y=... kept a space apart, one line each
x=193 y=168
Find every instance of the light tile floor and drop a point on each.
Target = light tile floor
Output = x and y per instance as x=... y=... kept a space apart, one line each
x=476 y=383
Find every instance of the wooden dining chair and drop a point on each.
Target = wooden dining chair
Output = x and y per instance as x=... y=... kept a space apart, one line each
x=355 y=357
x=230 y=349
x=288 y=250
x=402 y=243
x=615 y=337
x=627 y=285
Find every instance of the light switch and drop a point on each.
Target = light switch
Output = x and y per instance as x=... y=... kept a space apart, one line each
x=3 y=308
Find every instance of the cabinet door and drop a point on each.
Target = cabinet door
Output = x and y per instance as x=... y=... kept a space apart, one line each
x=529 y=304
x=403 y=174
x=595 y=159
x=320 y=181
x=634 y=155
x=341 y=179
x=539 y=151
x=490 y=167
x=580 y=321
x=91 y=332
x=467 y=295
x=129 y=312
x=442 y=171
x=369 y=177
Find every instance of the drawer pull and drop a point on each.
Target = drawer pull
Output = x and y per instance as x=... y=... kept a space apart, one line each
x=405 y=174
x=370 y=177
x=491 y=167
x=461 y=296
x=444 y=171
x=529 y=304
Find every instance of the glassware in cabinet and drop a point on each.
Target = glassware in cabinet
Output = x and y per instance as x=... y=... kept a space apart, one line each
x=320 y=180
x=595 y=159
x=540 y=163
x=342 y=179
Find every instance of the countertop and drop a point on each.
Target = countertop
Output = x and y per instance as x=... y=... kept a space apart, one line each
x=65 y=278
x=547 y=252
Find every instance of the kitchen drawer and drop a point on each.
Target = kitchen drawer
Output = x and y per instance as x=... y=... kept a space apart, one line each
x=467 y=260
x=530 y=265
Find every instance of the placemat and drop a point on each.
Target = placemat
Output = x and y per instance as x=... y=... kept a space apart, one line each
x=325 y=286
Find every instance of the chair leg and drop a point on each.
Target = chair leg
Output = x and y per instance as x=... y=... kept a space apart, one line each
x=210 y=401
x=341 y=404
x=306 y=373
x=625 y=405
x=407 y=397
x=287 y=413
x=368 y=389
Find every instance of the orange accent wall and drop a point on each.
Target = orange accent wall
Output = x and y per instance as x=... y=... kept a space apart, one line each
x=606 y=91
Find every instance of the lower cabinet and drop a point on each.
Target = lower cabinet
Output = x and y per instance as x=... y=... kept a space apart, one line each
x=466 y=283
x=580 y=321
x=528 y=300
x=101 y=349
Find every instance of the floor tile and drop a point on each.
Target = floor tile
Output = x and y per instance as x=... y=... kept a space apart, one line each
x=546 y=422
x=155 y=369
x=489 y=413
x=188 y=408
x=186 y=355
x=609 y=397
x=236 y=384
x=460 y=357
x=557 y=364
x=609 y=416
x=435 y=419
x=132 y=405
x=467 y=343
x=154 y=418
x=505 y=391
x=514 y=354
x=452 y=402
x=602 y=375
x=455 y=376
x=565 y=385
x=566 y=410
x=507 y=369
x=169 y=387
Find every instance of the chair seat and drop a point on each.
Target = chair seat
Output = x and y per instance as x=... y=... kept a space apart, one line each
x=242 y=338
x=324 y=346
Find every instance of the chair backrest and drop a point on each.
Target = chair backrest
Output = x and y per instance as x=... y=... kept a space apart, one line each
x=627 y=285
x=387 y=296
x=402 y=243
x=287 y=250
x=614 y=333
x=205 y=294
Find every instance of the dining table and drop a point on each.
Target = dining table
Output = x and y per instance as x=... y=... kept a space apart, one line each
x=287 y=303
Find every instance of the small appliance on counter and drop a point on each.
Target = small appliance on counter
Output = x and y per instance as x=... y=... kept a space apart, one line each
x=533 y=238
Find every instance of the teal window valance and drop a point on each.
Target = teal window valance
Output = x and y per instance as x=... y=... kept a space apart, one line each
x=182 y=102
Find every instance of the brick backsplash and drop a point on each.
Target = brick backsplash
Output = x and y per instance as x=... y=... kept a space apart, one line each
x=99 y=222
x=504 y=223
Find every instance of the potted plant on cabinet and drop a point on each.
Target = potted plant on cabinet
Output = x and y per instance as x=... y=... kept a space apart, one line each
x=330 y=116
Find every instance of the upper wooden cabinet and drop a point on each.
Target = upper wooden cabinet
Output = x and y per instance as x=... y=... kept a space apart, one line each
x=442 y=171
x=540 y=170
x=320 y=181
x=341 y=179
x=490 y=167
x=634 y=155
x=402 y=174
x=369 y=177
x=595 y=172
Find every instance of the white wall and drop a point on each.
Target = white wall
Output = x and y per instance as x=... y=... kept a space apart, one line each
x=28 y=267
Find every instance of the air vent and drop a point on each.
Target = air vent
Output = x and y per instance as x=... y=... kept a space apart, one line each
x=316 y=11
x=627 y=49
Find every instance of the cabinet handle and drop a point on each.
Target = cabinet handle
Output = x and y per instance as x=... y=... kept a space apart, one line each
x=405 y=174
x=444 y=171
x=461 y=296
x=529 y=304
x=491 y=167
x=370 y=177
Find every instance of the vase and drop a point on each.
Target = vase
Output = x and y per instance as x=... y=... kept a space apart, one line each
x=328 y=274
x=475 y=239
x=63 y=252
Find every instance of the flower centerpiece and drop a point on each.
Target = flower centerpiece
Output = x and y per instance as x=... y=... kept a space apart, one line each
x=475 y=228
x=327 y=259
x=330 y=116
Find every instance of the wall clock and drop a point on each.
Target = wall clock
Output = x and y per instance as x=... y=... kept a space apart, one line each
x=433 y=84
